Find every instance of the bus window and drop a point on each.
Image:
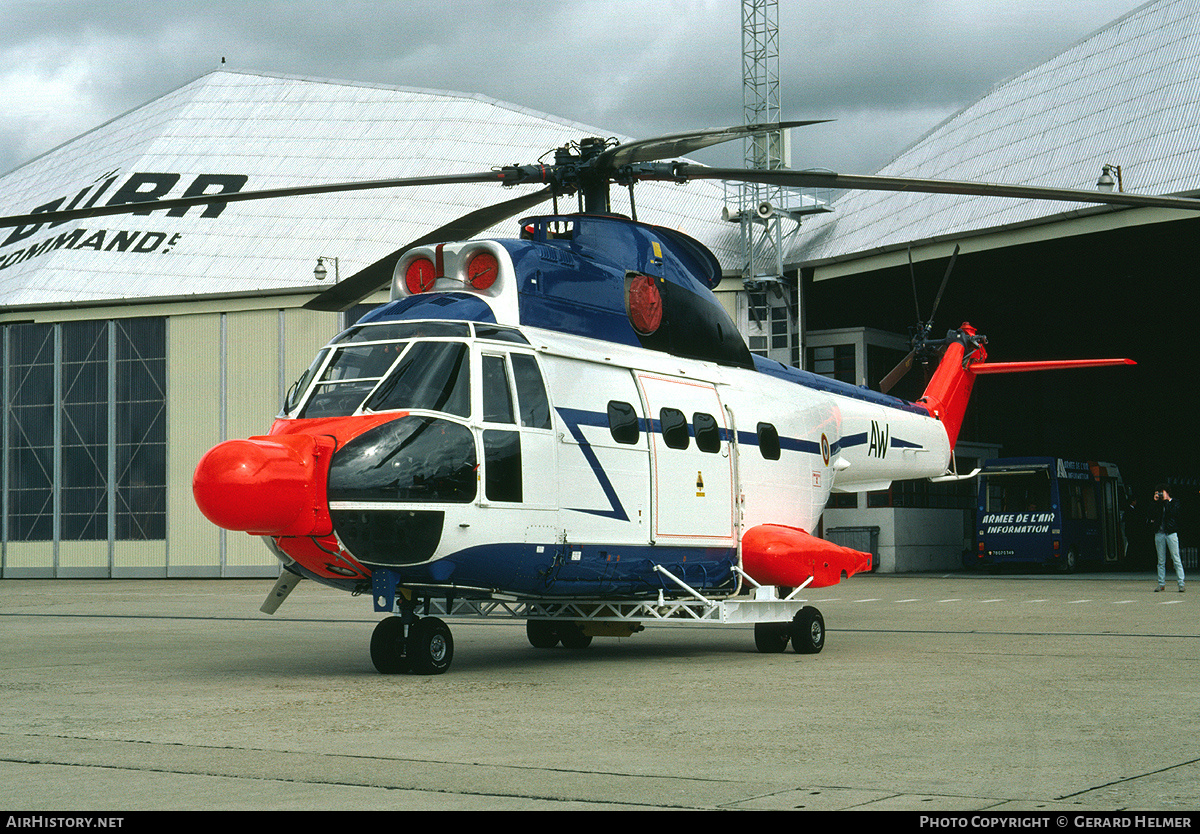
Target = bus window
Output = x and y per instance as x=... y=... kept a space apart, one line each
x=1018 y=492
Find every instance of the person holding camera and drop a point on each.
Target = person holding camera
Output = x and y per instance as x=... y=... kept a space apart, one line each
x=1166 y=536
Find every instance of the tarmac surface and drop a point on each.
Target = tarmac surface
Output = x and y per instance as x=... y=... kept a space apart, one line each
x=1059 y=694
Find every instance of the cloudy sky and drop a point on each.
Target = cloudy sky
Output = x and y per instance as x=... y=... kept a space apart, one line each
x=886 y=71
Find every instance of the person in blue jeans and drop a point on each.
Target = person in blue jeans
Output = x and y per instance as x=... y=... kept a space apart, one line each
x=1166 y=535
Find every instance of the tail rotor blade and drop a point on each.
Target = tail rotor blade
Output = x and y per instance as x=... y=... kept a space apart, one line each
x=913 y=275
x=897 y=373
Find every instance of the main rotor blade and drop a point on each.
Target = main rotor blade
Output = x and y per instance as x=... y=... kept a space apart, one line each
x=146 y=206
x=787 y=177
x=682 y=144
x=913 y=277
x=345 y=294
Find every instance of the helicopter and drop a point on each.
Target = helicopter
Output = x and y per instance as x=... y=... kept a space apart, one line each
x=566 y=426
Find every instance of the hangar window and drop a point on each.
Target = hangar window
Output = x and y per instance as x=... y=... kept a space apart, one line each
x=834 y=361
x=86 y=430
x=674 y=428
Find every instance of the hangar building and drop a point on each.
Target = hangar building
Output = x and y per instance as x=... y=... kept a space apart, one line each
x=1042 y=280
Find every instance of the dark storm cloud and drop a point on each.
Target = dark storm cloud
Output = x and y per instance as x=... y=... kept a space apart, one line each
x=887 y=71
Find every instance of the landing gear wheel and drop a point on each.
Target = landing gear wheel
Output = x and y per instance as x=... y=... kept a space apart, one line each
x=771 y=638
x=808 y=631
x=387 y=647
x=430 y=646
x=542 y=634
x=572 y=636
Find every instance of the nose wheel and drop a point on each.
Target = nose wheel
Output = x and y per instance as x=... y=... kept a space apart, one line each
x=421 y=646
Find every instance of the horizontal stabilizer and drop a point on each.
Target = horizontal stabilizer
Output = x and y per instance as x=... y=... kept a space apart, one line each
x=773 y=554
x=1050 y=365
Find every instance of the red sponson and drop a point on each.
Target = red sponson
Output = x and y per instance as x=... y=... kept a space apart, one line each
x=773 y=554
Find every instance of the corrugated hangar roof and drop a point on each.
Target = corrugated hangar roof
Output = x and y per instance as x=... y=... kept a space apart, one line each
x=251 y=131
x=1127 y=95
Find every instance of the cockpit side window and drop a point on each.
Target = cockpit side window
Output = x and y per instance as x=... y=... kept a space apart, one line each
x=296 y=392
x=497 y=396
x=531 y=392
x=434 y=376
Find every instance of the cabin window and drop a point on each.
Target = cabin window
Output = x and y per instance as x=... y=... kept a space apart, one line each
x=434 y=376
x=531 y=392
x=623 y=422
x=502 y=465
x=497 y=396
x=768 y=441
x=674 y=428
x=708 y=435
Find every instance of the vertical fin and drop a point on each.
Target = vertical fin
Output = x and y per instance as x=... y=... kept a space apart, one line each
x=949 y=390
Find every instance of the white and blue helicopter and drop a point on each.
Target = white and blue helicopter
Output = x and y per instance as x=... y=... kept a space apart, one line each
x=567 y=427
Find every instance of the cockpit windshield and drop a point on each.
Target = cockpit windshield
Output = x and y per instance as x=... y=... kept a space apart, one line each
x=415 y=375
x=432 y=375
x=351 y=374
x=414 y=366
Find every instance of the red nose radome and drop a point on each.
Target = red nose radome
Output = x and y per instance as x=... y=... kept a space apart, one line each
x=266 y=486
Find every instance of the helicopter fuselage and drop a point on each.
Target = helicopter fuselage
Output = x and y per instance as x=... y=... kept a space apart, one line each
x=542 y=423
